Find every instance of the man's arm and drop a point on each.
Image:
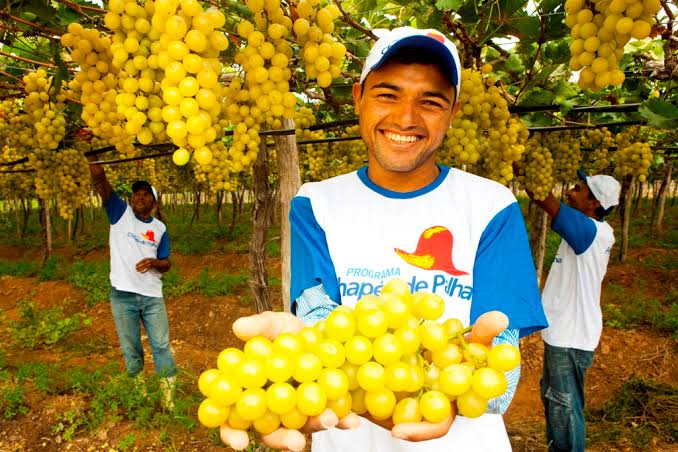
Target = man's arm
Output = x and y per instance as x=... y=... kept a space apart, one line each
x=550 y=205
x=101 y=184
x=162 y=261
x=161 y=265
x=504 y=278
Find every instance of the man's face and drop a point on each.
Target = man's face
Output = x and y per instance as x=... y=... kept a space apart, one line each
x=142 y=202
x=404 y=111
x=578 y=198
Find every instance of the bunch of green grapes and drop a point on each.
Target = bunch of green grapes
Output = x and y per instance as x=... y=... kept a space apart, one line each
x=566 y=151
x=314 y=159
x=503 y=146
x=16 y=128
x=15 y=186
x=483 y=135
x=245 y=144
x=137 y=71
x=536 y=168
x=462 y=143
x=72 y=179
x=303 y=119
x=263 y=96
x=322 y=55
x=218 y=174
x=632 y=157
x=354 y=150
x=188 y=49
x=600 y=29
x=96 y=84
x=45 y=108
x=598 y=141
x=388 y=357
x=324 y=160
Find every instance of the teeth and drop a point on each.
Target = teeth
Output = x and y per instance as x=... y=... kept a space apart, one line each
x=401 y=138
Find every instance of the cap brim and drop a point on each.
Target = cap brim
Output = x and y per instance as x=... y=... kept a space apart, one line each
x=429 y=44
x=581 y=174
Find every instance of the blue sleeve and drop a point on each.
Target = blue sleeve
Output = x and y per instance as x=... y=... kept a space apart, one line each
x=575 y=227
x=115 y=207
x=311 y=264
x=164 y=246
x=314 y=305
x=504 y=278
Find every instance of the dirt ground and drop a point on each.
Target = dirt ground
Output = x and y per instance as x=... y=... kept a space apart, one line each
x=200 y=328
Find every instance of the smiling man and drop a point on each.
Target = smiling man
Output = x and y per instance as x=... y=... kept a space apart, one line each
x=442 y=230
x=140 y=251
x=572 y=303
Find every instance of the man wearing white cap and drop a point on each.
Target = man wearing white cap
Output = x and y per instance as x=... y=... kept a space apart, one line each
x=140 y=250
x=352 y=233
x=572 y=303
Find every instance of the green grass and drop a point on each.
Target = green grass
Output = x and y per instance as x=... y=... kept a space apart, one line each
x=627 y=308
x=641 y=412
x=92 y=278
x=18 y=268
x=212 y=284
x=201 y=236
x=38 y=328
x=112 y=396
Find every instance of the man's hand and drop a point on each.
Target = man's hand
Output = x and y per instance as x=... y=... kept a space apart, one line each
x=271 y=325
x=146 y=264
x=486 y=328
x=423 y=431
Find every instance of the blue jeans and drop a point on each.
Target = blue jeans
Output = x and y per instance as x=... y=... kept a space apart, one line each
x=130 y=310
x=562 y=393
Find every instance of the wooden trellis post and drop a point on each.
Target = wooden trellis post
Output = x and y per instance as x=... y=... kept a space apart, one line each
x=289 y=183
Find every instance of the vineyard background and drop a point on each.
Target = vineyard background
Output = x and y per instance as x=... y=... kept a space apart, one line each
x=60 y=382
x=227 y=107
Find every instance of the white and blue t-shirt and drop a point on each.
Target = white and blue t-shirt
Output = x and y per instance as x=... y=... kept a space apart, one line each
x=572 y=291
x=132 y=239
x=462 y=237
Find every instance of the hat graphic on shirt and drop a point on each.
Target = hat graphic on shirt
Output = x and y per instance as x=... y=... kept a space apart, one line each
x=434 y=251
x=149 y=235
x=390 y=41
x=605 y=188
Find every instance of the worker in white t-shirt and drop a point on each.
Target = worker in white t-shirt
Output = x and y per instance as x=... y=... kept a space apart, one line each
x=571 y=300
x=140 y=251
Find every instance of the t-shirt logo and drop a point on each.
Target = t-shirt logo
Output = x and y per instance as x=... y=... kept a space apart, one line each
x=437 y=37
x=149 y=235
x=434 y=251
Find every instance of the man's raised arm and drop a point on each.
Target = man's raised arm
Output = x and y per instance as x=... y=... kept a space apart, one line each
x=101 y=184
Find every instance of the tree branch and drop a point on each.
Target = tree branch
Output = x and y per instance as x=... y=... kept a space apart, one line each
x=349 y=21
x=46 y=30
x=471 y=50
x=670 y=43
x=27 y=60
x=79 y=8
x=504 y=54
x=6 y=74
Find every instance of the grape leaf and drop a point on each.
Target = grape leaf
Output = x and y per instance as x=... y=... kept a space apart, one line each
x=659 y=113
x=514 y=64
x=447 y=5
